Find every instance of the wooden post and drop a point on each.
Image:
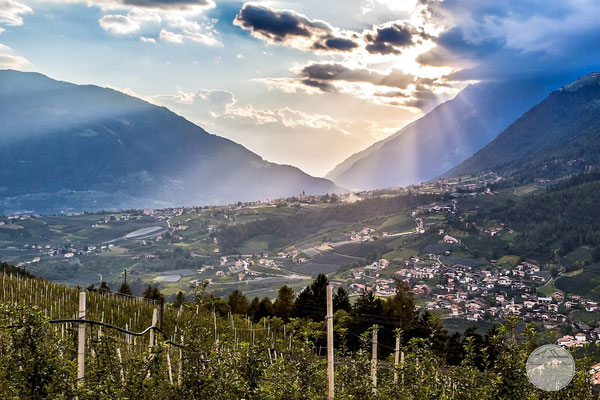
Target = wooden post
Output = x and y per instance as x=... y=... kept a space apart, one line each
x=396 y=359
x=329 y=317
x=81 y=340
x=154 y=321
x=169 y=365
x=215 y=323
x=374 y=362
x=121 y=365
x=180 y=376
x=402 y=363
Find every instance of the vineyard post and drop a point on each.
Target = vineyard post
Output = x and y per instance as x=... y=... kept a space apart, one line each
x=402 y=363
x=330 y=372
x=81 y=340
x=215 y=323
x=374 y=361
x=396 y=359
x=121 y=365
x=180 y=377
x=162 y=310
x=169 y=365
x=154 y=321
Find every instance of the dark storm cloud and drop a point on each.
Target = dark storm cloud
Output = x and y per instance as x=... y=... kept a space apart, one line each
x=333 y=43
x=337 y=72
x=283 y=27
x=278 y=25
x=323 y=86
x=391 y=39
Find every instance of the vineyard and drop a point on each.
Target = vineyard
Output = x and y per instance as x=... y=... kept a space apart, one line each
x=135 y=348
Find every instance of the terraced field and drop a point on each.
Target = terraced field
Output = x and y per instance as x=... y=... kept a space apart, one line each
x=586 y=283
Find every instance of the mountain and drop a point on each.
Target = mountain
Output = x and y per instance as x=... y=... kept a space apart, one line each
x=66 y=147
x=441 y=139
x=561 y=135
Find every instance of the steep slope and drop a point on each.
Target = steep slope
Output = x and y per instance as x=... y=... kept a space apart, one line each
x=560 y=135
x=66 y=147
x=441 y=139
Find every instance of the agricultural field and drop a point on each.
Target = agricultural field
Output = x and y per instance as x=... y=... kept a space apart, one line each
x=584 y=283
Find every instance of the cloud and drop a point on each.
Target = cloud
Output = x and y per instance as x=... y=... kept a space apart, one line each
x=392 y=38
x=338 y=72
x=319 y=84
x=515 y=39
x=178 y=38
x=147 y=39
x=119 y=24
x=170 y=37
x=1 y=29
x=8 y=61
x=185 y=5
x=292 y=29
x=11 y=11
x=142 y=15
x=278 y=25
x=335 y=43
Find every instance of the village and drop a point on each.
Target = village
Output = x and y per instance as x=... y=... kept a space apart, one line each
x=453 y=287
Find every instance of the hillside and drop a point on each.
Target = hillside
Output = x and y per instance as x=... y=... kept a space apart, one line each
x=441 y=139
x=556 y=137
x=65 y=147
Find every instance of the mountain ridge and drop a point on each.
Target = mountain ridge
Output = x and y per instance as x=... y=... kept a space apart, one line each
x=556 y=137
x=439 y=140
x=73 y=147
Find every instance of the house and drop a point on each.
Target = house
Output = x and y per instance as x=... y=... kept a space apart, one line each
x=529 y=303
x=358 y=286
x=544 y=300
x=595 y=372
x=450 y=240
x=504 y=281
x=566 y=341
x=581 y=337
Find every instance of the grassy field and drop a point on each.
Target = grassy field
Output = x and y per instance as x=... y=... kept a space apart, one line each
x=547 y=289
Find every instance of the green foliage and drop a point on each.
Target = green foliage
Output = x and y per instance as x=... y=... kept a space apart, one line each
x=304 y=223
x=153 y=293
x=566 y=217
x=284 y=304
x=226 y=356
x=238 y=302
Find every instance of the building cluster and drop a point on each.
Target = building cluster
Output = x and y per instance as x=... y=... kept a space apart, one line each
x=365 y=235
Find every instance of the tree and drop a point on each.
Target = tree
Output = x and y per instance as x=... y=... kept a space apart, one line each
x=341 y=301
x=238 y=302
x=284 y=304
x=265 y=309
x=367 y=311
x=153 y=293
x=312 y=301
x=104 y=288
x=125 y=289
x=253 y=307
x=179 y=299
x=401 y=307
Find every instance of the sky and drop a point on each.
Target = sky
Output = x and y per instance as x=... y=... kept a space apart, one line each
x=306 y=83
